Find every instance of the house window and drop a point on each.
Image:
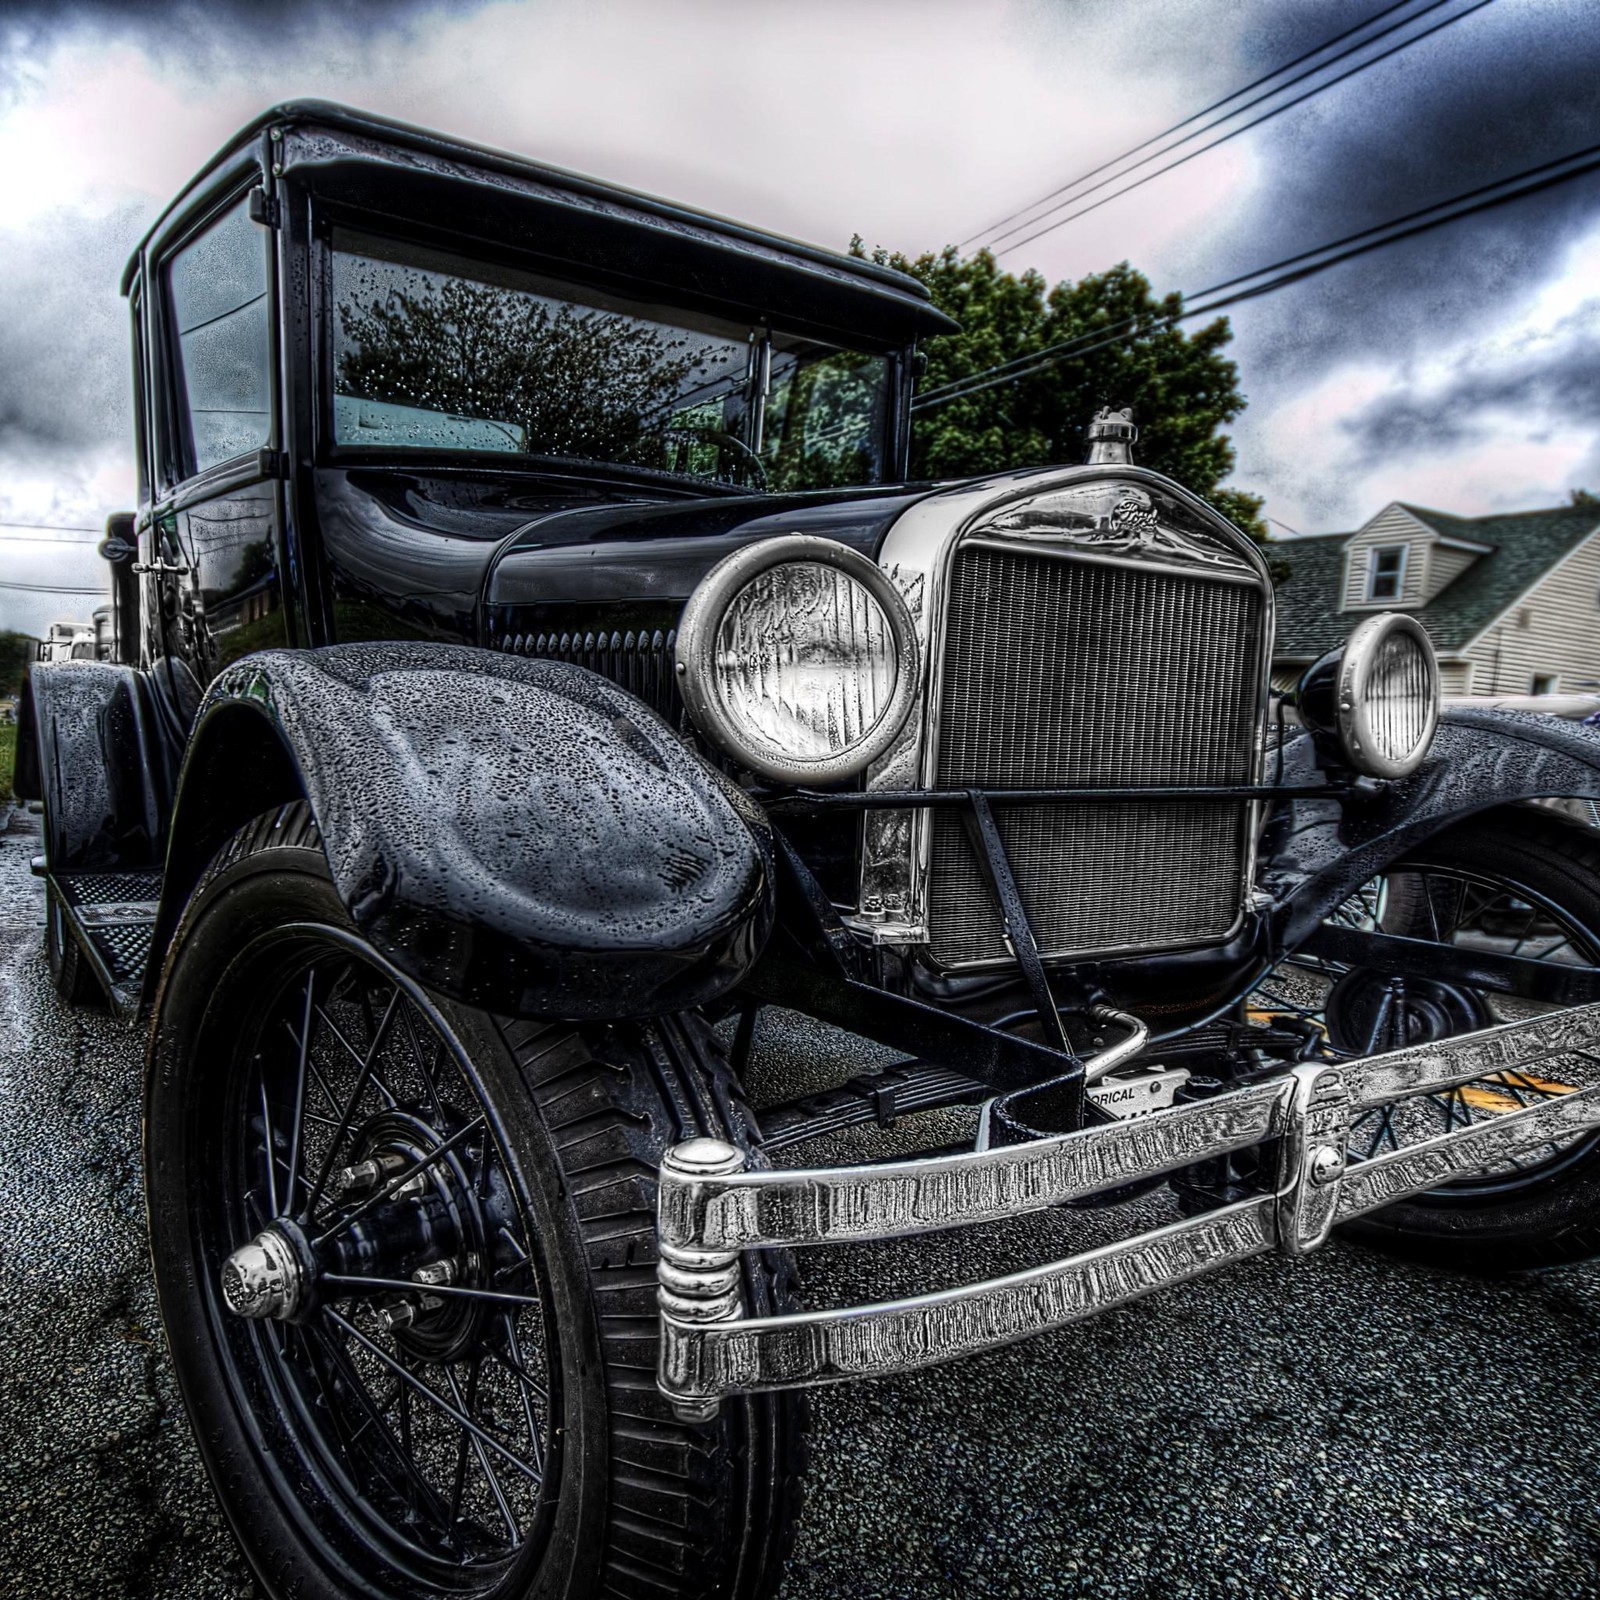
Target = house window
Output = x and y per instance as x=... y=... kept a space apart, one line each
x=1543 y=683
x=1386 y=571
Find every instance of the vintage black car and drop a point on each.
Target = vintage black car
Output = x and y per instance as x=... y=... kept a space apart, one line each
x=533 y=664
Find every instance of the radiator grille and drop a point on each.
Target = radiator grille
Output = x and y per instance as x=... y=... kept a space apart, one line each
x=1058 y=673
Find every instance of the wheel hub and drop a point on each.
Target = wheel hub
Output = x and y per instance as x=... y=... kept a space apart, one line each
x=407 y=1230
x=1372 y=1011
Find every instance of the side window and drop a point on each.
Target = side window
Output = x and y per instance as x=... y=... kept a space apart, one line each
x=217 y=285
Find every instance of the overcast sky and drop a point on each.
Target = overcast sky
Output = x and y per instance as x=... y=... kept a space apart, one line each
x=1456 y=370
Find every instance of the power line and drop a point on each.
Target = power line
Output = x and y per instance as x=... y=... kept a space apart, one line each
x=1216 y=105
x=40 y=538
x=1232 y=133
x=53 y=527
x=1555 y=171
x=53 y=588
x=1281 y=273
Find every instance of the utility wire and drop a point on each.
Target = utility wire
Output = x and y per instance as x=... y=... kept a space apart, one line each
x=52 y=527
x=1536 y=177
x=40 y=538
x=1264 y=280
x=1223 y=138
x=1204 y=111
x=53 y=588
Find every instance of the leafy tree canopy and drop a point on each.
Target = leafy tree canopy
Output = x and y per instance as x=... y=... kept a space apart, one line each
x=1182 y=389
x=17 y=652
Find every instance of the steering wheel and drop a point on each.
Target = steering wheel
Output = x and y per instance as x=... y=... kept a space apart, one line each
x=729 y=441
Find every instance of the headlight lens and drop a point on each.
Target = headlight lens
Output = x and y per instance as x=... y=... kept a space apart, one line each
x=1388 y=696
x=798 y=657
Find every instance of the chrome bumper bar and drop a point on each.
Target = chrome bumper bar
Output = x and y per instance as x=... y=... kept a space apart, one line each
x=710 y=1208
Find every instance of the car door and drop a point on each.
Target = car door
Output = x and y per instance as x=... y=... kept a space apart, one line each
x=212 y=547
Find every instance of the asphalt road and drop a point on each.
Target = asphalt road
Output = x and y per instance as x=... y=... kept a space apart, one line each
x=1341 y=1426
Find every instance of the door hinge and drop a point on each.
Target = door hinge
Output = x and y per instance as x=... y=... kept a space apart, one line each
x=263 y=208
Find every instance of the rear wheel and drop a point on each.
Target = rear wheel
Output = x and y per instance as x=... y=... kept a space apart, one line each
x=69 y=970
x=405 y=1252
x=1519 y=882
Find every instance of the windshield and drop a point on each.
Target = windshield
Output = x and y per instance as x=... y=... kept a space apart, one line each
x=437 y=352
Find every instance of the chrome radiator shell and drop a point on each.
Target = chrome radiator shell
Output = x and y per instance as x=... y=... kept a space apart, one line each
x=1141 y=536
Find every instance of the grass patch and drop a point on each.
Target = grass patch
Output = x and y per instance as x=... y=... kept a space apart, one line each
x=8 y=757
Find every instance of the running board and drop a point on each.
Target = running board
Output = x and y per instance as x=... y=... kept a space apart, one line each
x=112 y=915
x=710 y=1209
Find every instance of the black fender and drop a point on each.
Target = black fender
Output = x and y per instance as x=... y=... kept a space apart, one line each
x=90 y=745
x=1317 y=853
x=522 y=835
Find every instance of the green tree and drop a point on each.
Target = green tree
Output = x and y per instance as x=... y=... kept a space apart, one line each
x=1182 y=389
x=17 y=651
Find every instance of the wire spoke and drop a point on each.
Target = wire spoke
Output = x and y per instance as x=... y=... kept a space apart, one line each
x=272 y=1149
x=434 y=1397
x=419 y=1055
x=346 y=1116
x=499 y=1297
x=526 y=1386
x=466 y=1405
x=364 y=1061
x=423 y=1493
x=296 y=1124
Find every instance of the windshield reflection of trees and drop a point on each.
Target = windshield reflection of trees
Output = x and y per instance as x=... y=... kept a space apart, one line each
x=580 y=382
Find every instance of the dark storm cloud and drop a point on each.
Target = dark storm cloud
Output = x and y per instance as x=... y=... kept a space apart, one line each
x=1509 y=87
x=205 y=33
x=1555 y=382
x=60 y=314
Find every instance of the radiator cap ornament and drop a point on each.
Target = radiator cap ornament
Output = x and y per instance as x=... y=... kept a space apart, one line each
x=1111 y=437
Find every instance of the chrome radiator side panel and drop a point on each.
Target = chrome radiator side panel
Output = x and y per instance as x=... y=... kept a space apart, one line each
x=1133 y=527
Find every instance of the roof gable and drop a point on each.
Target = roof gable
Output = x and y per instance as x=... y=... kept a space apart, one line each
x=1526 y=545
x=1522 y=547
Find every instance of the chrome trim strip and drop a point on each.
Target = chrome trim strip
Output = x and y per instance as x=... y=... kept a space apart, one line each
x=702 y=1363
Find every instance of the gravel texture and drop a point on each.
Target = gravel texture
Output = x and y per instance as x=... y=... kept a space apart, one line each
x=1340 y=1426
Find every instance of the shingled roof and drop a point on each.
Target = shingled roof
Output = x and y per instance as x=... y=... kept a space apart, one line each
x=1524 y=546
x=1309 y=622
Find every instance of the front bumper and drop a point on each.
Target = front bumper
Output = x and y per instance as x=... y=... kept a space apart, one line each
x=711 y=1208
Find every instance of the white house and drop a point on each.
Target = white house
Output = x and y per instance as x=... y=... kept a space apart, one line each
x=1511 y=602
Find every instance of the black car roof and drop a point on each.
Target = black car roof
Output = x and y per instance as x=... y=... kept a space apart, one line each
x=323 y=137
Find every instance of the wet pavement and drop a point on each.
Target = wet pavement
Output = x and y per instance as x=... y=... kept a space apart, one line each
x=1340 y=1426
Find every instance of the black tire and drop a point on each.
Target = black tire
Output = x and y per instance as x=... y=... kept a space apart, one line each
x=573 y=1122
x=69 y=969
x=1551 y=1217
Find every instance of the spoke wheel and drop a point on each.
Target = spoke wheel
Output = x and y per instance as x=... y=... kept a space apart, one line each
x=1524 y=884
x=405 y=1253
x=414 y=1377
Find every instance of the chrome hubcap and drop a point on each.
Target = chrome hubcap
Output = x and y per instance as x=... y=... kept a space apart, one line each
x=263 y=1278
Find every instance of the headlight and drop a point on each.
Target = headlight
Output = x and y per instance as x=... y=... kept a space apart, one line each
x=1386 y=700
x=799 y=658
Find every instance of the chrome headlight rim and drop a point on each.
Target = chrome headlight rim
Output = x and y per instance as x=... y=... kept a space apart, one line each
x=1353 y=700
x=702 y=619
